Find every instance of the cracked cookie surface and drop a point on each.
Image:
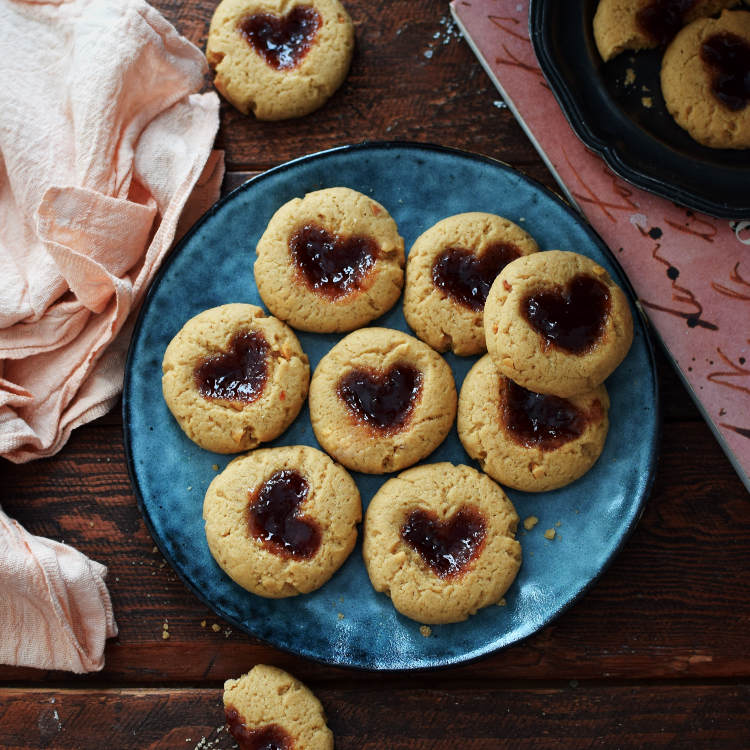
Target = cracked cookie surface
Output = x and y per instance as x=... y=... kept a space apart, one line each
x=381 y=400
x=688 y=82
x=449 y=271
x=331 y=261
x=267 y=707
x=279 y=59
x=621 y=25
x=528 y=441
x=556 y=323
x=432 y=514
x=254 y=533
x=234 y=378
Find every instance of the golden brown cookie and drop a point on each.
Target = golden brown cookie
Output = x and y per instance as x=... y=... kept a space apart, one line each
x=281 y=521
x=440 y=541
x=449 y=272
x=527 y=440
x=279 y=58
x=331 y=261
x=556 y=323
x=267 y=707
x=381 y=400
x=621 y=25
x=234 y=378
x=705 y=79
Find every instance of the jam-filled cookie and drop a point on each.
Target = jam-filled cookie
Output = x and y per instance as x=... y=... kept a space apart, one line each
x=281 y=521
x=527 y=440
x=267 y=708
x=381 y=400
x=279 y=59
x=705 y=79
x=331 y=261
x=621 y=25
x=234 y=378
x=440 y=540
x=556 y=323
x=449 y=272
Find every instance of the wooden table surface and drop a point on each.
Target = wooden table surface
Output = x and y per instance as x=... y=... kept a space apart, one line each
x=656 y=655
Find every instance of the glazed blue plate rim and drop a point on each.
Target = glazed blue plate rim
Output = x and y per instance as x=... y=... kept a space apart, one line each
x=470 y=654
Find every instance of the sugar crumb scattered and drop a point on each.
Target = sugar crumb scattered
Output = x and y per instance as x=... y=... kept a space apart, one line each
x=530 y=522
x=549 y=534
x=203 y=623
x=216 y=628
x=647 y=102
x=629 y=77
x=425 y=630
x=165 y=635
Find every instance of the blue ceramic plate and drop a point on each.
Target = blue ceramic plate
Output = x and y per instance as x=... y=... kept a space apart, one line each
x=213 y=264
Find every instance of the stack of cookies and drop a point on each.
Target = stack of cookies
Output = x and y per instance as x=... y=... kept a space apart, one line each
x=439 y=539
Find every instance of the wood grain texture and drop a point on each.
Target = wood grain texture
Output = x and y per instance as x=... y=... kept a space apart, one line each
x=412 y=78
x=675 y=598
x=570 y=716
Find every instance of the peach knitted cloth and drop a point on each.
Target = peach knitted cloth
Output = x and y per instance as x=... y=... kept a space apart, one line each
x=104 y=143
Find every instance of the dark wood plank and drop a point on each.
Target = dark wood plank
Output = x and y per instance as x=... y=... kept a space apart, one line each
x=446 y=97
x=579 y=716
x=675 y=600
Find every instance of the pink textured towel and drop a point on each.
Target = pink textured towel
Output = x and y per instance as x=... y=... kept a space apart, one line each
x=103 y=138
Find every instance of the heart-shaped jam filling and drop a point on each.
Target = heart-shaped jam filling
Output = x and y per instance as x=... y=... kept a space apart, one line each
x=536 y=420
x=273 y=516
x=466 y=277
x=381 y=399
x=446 y=546
x=728 y=56
x=332 y=265
x=268 y=737
x=662 y=19
x=570 y=318
x=238 y=374
x=282 y=41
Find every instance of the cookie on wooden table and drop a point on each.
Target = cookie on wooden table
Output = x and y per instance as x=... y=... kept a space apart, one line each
x=234 y=378
x=268 y=708
x=279 y=59
x=449 y=272
x=705 y=80
x=556 y=323
x=381 y=400
x=281 y=521
x=527 y=440
x=331 y=261
x=621 y=25
x=440 y=541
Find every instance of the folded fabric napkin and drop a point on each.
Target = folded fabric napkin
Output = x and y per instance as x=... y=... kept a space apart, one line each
x=103 y=139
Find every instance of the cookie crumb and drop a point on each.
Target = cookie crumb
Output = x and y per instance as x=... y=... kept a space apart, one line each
x=549 y=534
x=165 y=635
x=558 y=524
x=340 y=615
x=502 y=602
x=215 y=467
x=629 y=77
x=216 y=628
x=425 y=630
x=530 y=522
x=203 y=623
x=647 y=102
